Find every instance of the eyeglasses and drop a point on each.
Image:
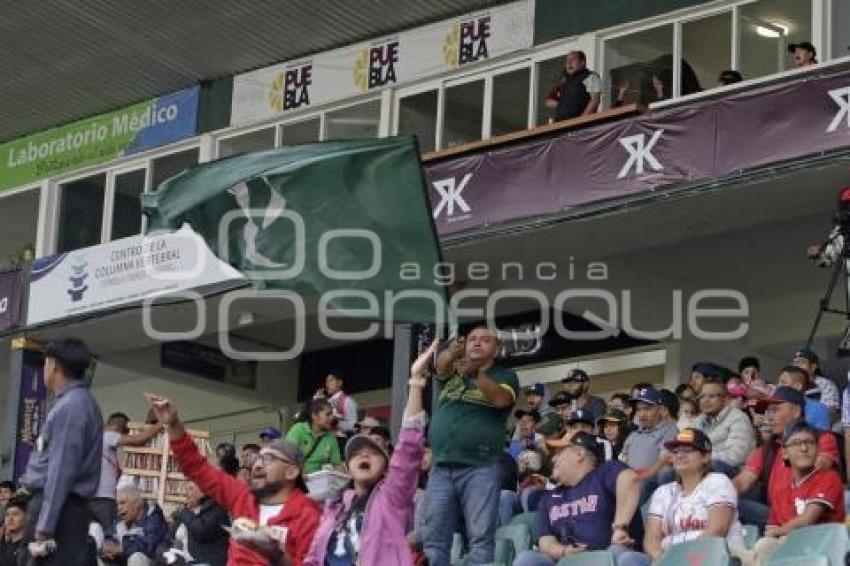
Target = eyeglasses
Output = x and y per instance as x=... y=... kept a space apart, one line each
x=268 y=457
x=801 y=444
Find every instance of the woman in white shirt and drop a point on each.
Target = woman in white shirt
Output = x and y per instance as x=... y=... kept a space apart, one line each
x=698 y=504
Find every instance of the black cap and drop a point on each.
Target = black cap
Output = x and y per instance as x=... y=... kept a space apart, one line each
x=535 y=415
x=552 y=424
x=575 y=375
x=560 y=398
x=669 y=400
x=580 y=416
x=584 y=439
x=807 y=354
x=803 y=45
x=692 y=437
x=730 y=76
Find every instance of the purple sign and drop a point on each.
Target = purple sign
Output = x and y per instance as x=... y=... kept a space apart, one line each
x=703 y=140
x=10 y=300
x=31 y=409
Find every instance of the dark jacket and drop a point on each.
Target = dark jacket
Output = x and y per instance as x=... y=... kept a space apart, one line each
x=208 y=541
x=148 y=536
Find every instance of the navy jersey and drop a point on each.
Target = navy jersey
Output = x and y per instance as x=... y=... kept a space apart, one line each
x=582 y=513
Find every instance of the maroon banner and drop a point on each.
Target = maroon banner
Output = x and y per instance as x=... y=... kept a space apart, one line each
x=705 y=140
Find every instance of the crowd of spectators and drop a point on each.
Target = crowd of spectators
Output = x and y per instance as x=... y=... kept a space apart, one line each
x=578 y=91
x=636 y=475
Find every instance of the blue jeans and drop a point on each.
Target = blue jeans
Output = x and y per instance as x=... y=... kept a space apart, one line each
x=623 y=556
x=751 y=512
x=508 y=506
x=471 y=494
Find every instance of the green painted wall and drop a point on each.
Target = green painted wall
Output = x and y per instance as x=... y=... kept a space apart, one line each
x=554 y=19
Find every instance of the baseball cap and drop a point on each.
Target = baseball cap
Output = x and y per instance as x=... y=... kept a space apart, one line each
x=575 y=375
x=785 y=395
x=560 y=398
x=580 y=416
x=669 y=400
x=613 y=415
x=807 y=354
x=534 y=415
x=536 y=389
x=803 y=45
x=270 y=432
x=583 y=439
x=692 y=437
x=359 y=441
x=292 y=453
x=552 y=423
x=648 y=395
x=369 y=422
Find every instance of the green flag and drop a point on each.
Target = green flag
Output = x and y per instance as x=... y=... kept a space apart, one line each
x=348 y=221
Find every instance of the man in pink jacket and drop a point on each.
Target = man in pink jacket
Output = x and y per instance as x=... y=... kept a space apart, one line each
x=368 y=526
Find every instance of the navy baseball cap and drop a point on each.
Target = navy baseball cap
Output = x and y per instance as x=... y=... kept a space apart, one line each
x=536 y=389
x=648 y=395
x=807 y=354
x=785 y=395
x=270 y=432
x=580 y=416
x=560 y=398
x=575 y=375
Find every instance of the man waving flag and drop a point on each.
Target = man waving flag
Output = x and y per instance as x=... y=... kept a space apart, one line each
x=346 y=220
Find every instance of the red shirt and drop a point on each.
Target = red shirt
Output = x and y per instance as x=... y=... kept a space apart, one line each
x=300 y=514
x=821 y=486
x=781 y=476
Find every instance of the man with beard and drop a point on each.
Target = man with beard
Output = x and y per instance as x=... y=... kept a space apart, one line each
x=577 y=384
x=275 y=497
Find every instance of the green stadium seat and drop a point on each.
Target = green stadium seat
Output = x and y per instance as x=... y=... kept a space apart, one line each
x=829 y=540
x=529 y=520
x=702 y=552
x=594 y=558
x=810 y=561
x=510 y=540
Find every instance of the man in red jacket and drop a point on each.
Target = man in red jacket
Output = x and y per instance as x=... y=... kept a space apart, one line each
x=275 y=497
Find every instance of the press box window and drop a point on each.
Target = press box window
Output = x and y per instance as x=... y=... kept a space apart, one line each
x=80 y=213
x=18 y=221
